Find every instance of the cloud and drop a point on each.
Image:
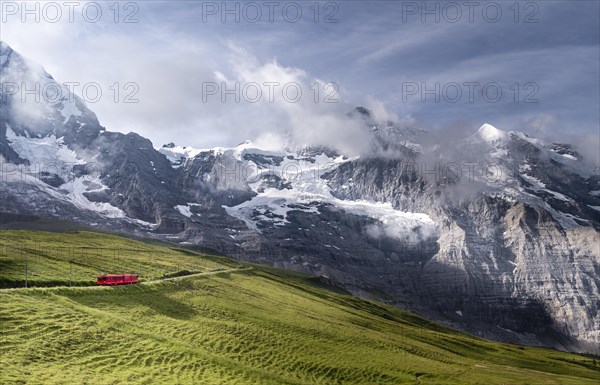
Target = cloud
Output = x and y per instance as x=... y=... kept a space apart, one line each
x=540 y=125
x=294 y=106
x=170 y=53
x=379 y=112
x=164 y=74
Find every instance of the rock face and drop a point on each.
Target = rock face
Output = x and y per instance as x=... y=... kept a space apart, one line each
x=496 y=234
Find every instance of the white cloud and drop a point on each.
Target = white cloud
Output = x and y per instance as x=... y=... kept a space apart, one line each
x=379 y=112
x=169 y=54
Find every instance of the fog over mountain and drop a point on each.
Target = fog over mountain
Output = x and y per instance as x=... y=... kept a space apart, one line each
x=372 y=51
x=487 y=229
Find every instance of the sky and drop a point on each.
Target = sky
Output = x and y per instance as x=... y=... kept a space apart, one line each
x=171 y=71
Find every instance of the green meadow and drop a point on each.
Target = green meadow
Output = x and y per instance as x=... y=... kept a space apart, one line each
x=227 y=323
x=52 y=259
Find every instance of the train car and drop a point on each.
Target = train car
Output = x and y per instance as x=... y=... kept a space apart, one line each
x=117 y=279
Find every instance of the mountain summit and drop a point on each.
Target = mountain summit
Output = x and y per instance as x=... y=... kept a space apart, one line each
x=490 y=133
x=5 y=52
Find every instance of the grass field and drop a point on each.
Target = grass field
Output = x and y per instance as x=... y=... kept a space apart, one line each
x=245 y=326
x=50 y=259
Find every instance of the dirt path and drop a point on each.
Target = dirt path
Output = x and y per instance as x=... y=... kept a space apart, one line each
x=198 y=274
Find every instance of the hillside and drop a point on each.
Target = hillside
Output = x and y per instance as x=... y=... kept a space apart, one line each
x=250 y=325
x=51 y=259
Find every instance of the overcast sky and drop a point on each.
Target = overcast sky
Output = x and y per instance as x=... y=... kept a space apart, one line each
x=542 y=56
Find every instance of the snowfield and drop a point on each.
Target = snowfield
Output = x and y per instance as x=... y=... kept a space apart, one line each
x=50 y=155
x=308 y=191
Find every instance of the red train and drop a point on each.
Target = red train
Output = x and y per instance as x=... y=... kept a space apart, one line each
x=117 y=279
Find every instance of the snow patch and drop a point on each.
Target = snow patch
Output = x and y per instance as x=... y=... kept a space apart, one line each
x=489 y=133
x=49 y=152
x=538 y=185
x=186 y=210
x=75 y=190
x=68 y=110
x=177 y=155
x=308 y=191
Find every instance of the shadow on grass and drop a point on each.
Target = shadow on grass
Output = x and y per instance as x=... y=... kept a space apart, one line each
x=133 y=299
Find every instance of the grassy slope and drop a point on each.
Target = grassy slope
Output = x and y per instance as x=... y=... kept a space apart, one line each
x=52 y=257
x=247 y=327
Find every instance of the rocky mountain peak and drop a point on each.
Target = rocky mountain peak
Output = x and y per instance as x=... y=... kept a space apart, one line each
x=5 y=49
x=489 y=133
x=5 y=52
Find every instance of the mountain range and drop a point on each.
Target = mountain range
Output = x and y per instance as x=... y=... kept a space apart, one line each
x=494 y=232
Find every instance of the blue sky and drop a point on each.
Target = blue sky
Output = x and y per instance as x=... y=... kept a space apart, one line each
x=376 y=52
